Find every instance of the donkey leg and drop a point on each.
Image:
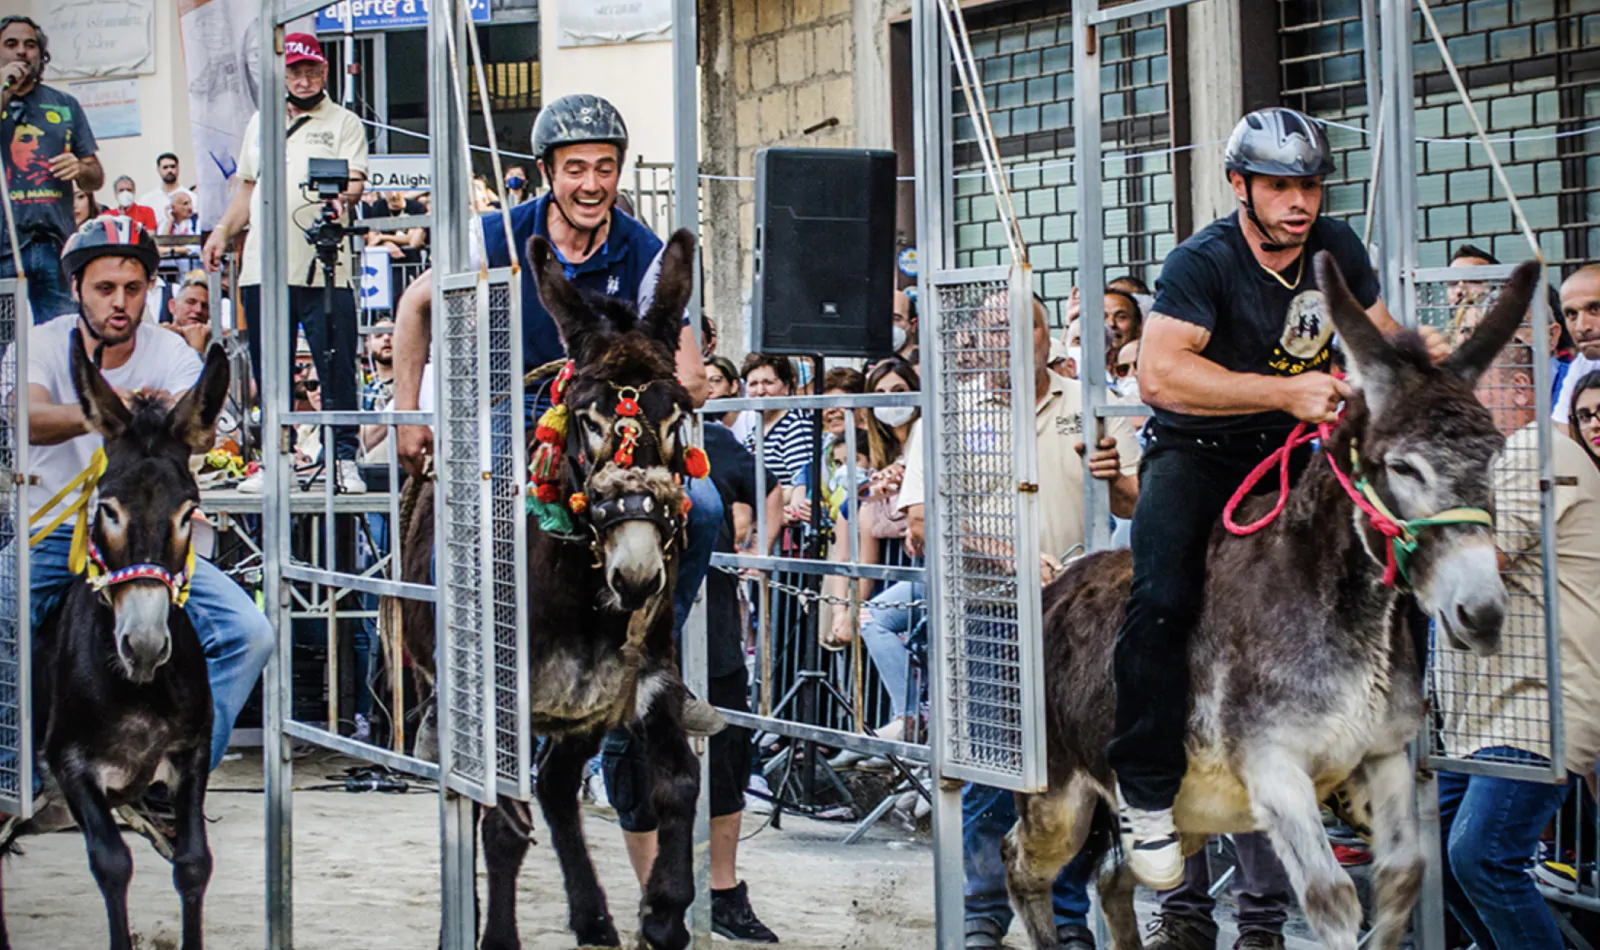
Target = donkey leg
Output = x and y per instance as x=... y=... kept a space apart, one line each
x=1116 y=888
x=504 y=847
x=191 y=859
x=109 y=857
x=675 y=781
x=1050 y=830
x=1284 y=803
x=560 y=777
x=1388 y=784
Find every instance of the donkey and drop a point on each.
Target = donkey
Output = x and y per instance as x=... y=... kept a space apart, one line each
x=121 y=697
x=600 y=619
x=1305 y=676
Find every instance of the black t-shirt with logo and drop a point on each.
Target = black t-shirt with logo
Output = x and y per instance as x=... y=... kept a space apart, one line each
x=1257 y=323
x=34 y=129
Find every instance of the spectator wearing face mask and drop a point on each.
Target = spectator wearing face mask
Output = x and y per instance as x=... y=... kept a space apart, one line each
x=905 y=326
x=518 y=188
x=129 y=207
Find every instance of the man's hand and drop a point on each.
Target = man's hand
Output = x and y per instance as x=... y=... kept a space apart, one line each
x=395 y=251
x=211 y=254
x=916 y=530
x=198 y=335
x=1070 y=312
x=66 y=166
x=1105 y=463
x=1313 y=397
x=1050 y=567
x=1438 y=346
x=12 y=75
x=415 y=447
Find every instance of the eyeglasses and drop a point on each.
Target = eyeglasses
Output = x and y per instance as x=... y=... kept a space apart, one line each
x=1586 y=416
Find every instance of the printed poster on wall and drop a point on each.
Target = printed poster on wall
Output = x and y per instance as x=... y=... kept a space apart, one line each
x=94 y=38
x=222 y=52
x=602 y=22
x=112 y=106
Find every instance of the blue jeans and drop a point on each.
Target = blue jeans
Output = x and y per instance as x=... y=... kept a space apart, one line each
x=48 y=293
x=705 y=517
x=1491 y=829
x=236 y=636
x=986 y=815
x=884 y=634
x=366 y=639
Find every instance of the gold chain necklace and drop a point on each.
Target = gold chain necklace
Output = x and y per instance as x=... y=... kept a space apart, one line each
x=1298 y=273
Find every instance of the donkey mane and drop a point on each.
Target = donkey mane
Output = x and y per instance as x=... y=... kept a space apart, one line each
x=149 y=425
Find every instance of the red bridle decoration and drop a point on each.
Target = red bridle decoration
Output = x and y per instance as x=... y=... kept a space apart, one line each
x=630 y=441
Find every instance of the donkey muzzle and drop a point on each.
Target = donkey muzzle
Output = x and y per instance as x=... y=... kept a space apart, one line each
x=143 y=639
x=634 y=532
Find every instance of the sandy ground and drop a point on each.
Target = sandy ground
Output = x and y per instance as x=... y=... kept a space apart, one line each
x=367 y=876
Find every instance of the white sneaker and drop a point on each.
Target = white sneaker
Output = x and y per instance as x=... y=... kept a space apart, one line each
x=253 y=483
x=1150 y=841
x=349 y=480
x=363 y=732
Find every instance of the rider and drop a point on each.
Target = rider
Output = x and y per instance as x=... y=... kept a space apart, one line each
x=581 y=142
x=1236 y=350
x=110 y=262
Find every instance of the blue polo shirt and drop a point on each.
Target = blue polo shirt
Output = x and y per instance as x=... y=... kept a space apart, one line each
x=617 y=269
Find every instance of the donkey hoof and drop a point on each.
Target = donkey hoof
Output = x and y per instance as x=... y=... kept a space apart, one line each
x=658 y=933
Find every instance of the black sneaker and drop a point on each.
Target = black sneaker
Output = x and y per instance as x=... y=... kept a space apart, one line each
x=1172 y=932
x=1259 y=941
x=1075 y=937
x=731 y=917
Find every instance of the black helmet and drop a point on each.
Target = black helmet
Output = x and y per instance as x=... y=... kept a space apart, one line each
x=1278 y=141
x=576 y=119
x=109 y=236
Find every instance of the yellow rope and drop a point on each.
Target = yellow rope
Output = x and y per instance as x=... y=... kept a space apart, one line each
x=84 y=484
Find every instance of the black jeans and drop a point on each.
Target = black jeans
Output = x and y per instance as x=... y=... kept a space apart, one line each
x=333 y=350
x=1184 y=483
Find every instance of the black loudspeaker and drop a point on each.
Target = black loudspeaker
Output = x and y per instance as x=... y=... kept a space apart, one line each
x=824 y=254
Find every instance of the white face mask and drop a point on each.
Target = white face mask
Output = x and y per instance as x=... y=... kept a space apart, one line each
x=894 y=416
x=124 y=199
x=899 y=336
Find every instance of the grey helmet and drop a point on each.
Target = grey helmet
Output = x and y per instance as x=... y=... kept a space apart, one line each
x=577 y=119
x=1279 y=141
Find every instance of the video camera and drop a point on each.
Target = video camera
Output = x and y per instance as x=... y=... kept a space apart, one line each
x=329 y=177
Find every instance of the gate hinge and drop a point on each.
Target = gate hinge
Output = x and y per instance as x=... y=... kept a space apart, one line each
x=283 y=440
x=1566 y=481
x=1029 y=488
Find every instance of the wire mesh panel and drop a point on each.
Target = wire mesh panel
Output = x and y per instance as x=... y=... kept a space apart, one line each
x=464 y=499
x=1492 y=711
x=506 y=566
x=16 y=712
x=990 y=724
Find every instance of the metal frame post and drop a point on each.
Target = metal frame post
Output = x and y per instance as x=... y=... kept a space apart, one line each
x=1091 y=259
x=1399 y=171
x=21 y=660
x=931 y=119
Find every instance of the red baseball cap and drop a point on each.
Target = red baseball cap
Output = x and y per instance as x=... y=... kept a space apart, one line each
x=302 y=48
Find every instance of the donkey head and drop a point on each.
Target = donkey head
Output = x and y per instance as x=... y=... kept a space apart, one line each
x=626 y=405
x=1420 y=437
x=140 y=532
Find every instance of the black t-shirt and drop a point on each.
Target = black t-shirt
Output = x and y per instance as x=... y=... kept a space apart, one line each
x=1258 y=325
x=733 y=471
x=380 y=209
x=34 y=129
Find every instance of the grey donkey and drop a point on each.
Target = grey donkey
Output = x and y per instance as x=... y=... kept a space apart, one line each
x=1304 y=674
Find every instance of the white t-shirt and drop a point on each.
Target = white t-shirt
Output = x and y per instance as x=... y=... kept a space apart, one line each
x=161 y=360
x=1561 y=412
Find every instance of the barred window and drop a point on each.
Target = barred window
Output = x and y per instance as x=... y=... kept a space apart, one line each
x=1024 y=55
x=1533 y=68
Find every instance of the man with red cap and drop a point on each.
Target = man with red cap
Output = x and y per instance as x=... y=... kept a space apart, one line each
x=316 y=128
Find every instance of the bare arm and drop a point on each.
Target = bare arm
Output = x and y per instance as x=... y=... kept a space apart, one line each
x=691 y=369
x=232 y=222
x=743 y=518
x=774 y=519
x=1175 y=377
x=52 y=424
x=413 y=337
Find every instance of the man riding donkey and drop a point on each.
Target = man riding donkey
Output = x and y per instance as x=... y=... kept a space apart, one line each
x=581 y=142
x=1228 y=366
x=110 y=263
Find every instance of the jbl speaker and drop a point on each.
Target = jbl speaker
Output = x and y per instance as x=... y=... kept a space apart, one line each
x=824 y=252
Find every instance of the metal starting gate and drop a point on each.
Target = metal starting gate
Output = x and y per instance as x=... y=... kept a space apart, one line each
x=16 y=686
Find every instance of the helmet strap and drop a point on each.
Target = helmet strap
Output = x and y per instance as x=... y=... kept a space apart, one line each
x=1269 y=246
x=99 y=342
x=594 y=232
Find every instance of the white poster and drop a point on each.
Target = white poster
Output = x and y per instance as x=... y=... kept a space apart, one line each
x=377 y=290
x=399 y=173
x=94 y=38
x=222 y=51
x=601 y=22
x=112 y=106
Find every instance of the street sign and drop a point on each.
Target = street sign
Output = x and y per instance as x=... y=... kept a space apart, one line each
x=399 y=173
x=368 y=15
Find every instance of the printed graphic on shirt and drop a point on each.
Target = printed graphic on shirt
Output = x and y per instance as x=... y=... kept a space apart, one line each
x=1307 y=332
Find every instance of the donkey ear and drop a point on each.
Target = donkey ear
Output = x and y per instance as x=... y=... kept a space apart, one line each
x=1490 y=337
x=580 y=327
x=194 y=419
x=1372 y=362
x=104 y=409
x=673 y=287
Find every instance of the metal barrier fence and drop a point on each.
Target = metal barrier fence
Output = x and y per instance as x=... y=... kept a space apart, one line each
x=16 y=692
x=1504 y=701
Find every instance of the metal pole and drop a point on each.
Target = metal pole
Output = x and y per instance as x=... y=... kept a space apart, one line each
x=930 y=105
x=1399 y=164
x=271 y=235
x=1091 y=263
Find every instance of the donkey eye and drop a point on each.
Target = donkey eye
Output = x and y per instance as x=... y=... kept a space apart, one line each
x=109 y=514
x=592 y=426
x=1403 y=469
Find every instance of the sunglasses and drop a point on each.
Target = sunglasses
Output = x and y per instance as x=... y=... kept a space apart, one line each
x=312 y=385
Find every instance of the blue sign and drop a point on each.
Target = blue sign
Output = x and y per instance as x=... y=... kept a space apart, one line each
x=384 y=14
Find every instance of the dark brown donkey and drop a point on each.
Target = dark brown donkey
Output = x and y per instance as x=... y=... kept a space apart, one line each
x=1303 y=674
x=120 y=694
x=600 y=617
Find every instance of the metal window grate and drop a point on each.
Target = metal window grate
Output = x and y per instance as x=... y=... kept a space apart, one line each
x=1025 y=60
x=16 y=721
x=1499 y=702
x=1533 y=67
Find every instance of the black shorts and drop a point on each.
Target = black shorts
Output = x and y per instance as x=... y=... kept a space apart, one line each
x=626 y=763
